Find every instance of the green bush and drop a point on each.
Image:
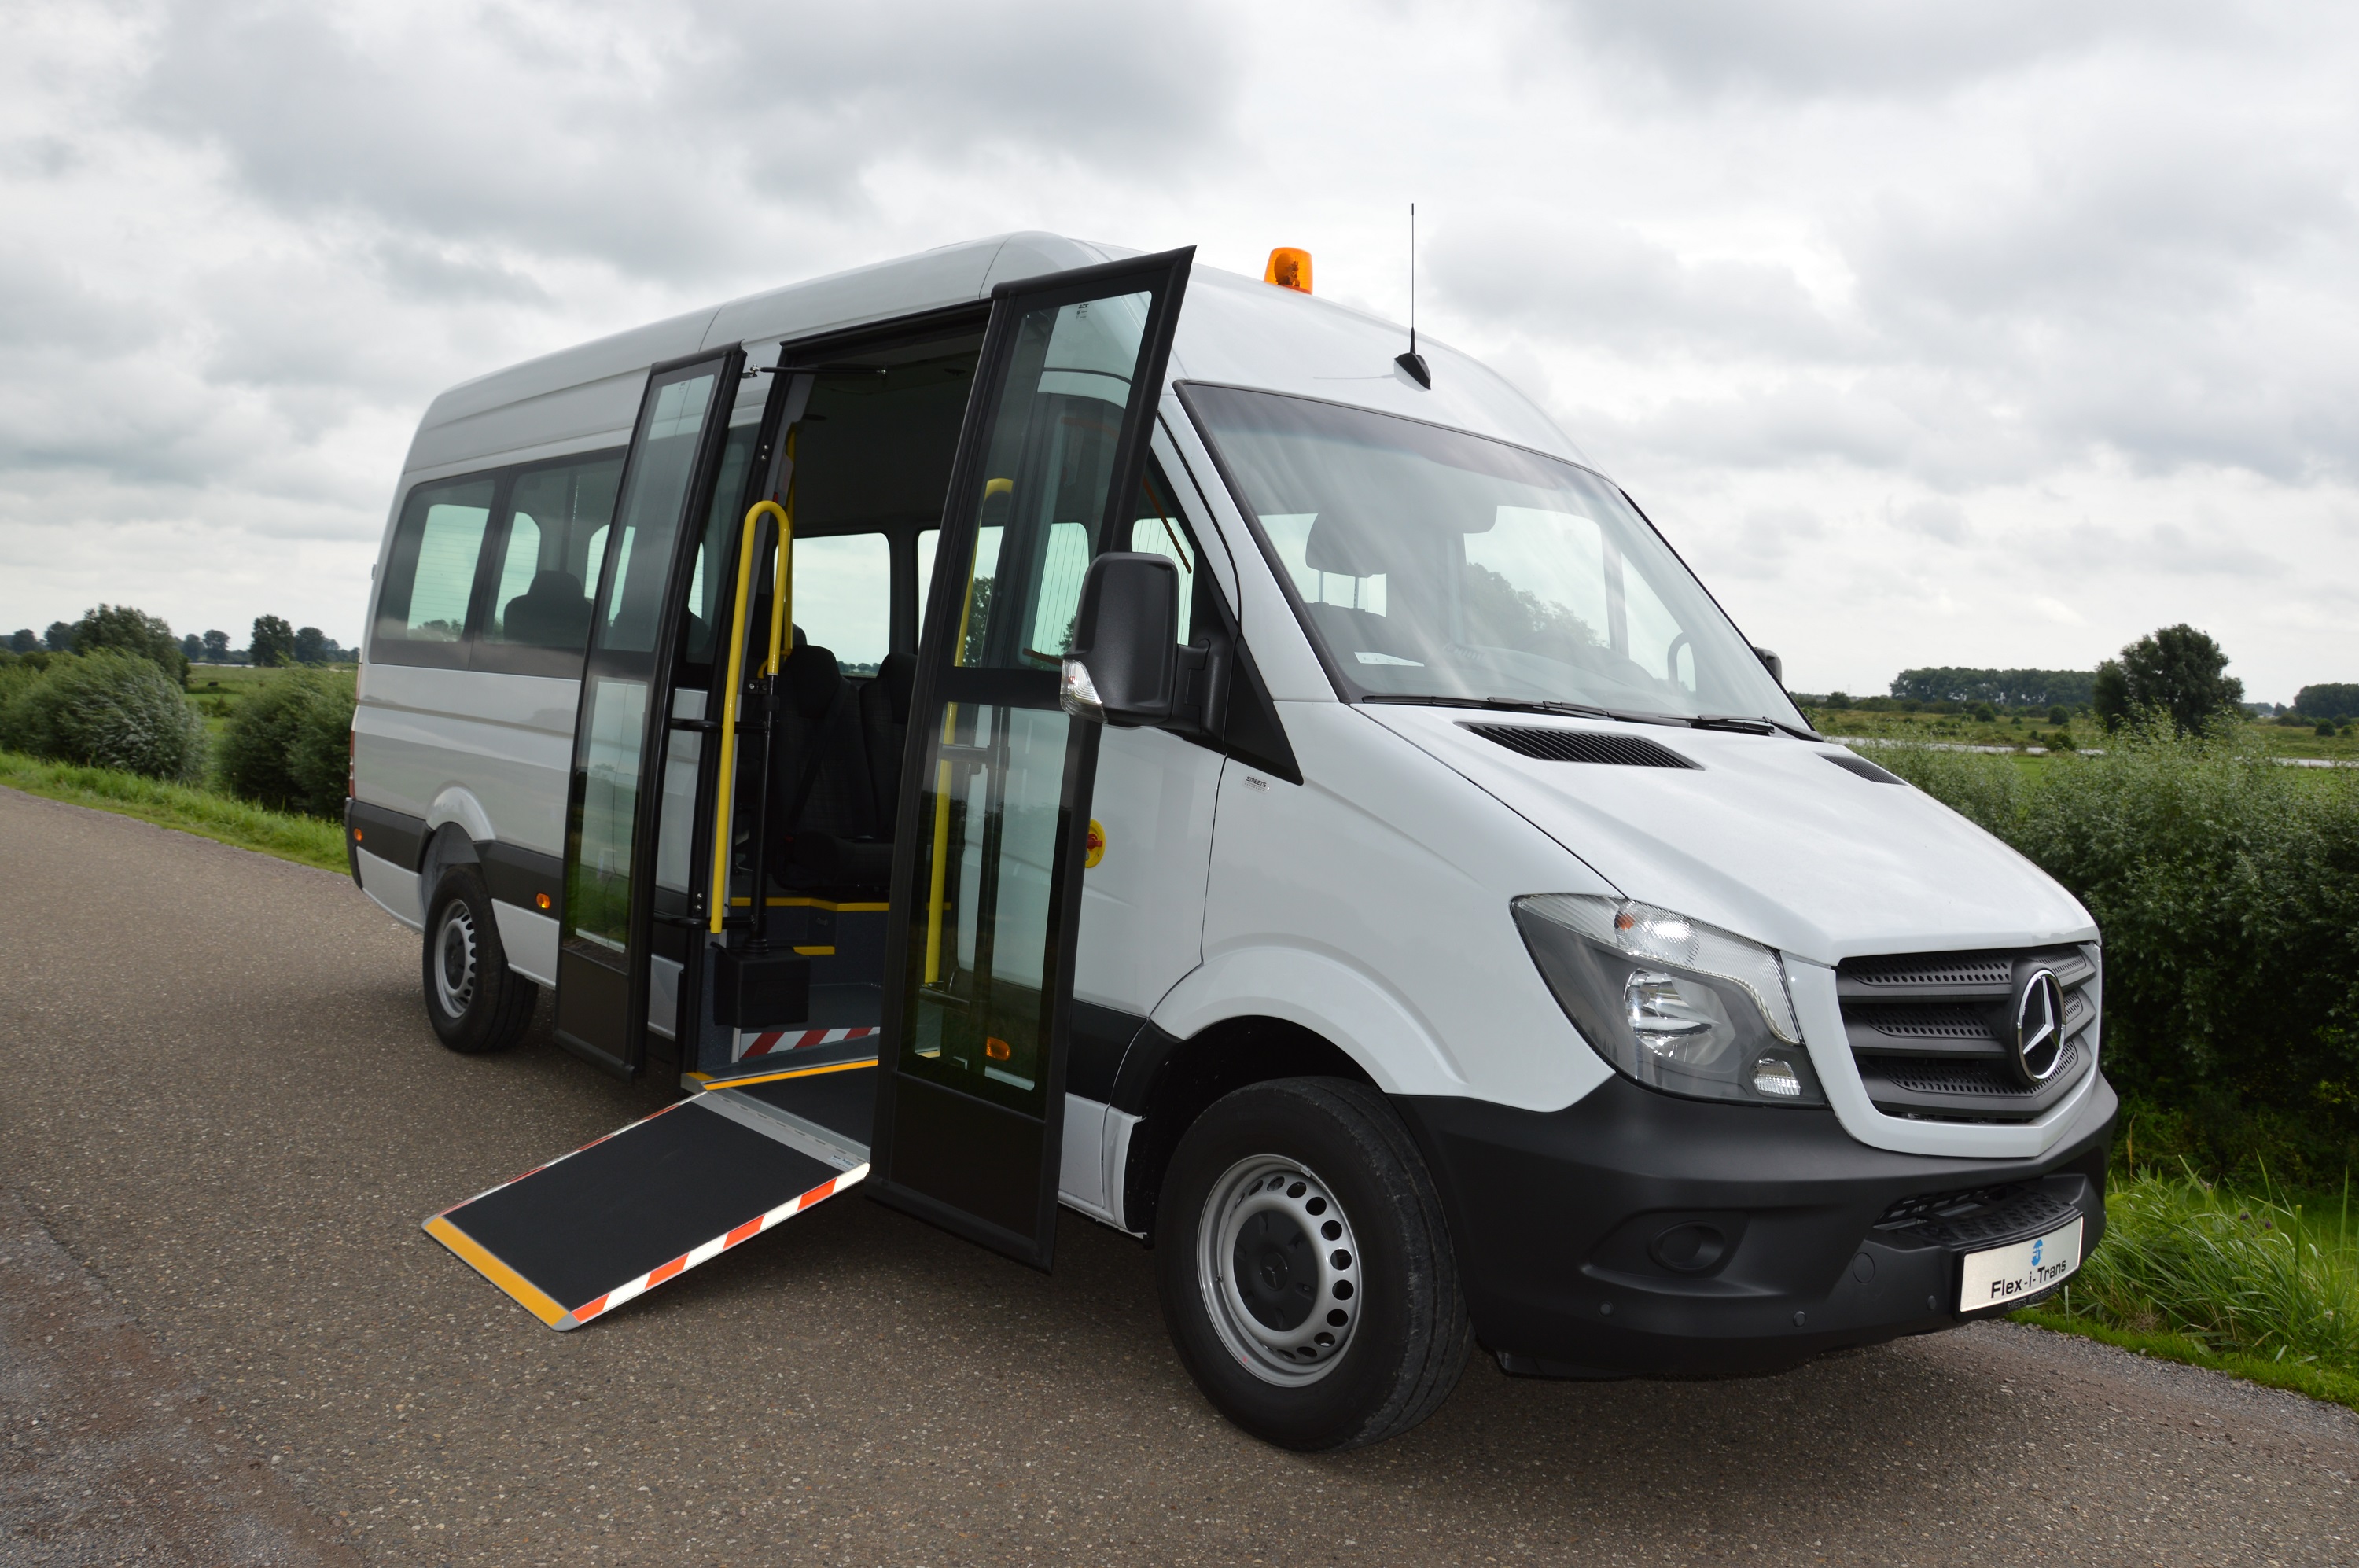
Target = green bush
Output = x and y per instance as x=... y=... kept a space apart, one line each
x=2227 y=889
x=107 y=709
x=286 y=747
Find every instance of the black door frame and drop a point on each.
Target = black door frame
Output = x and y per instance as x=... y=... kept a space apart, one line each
x=662 y=665
x=1166 y=275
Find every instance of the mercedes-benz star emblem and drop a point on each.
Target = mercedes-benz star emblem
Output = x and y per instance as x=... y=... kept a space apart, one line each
x=2039 y=1027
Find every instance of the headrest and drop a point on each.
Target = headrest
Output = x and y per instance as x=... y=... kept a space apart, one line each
x=1339 y=548
x=898 y=675
x=554 y=584
x=813 y=679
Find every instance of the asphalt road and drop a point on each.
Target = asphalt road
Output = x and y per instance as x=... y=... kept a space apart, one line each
x=222 y=1103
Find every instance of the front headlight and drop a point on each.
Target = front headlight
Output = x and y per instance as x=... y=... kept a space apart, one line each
x=1677 y=1006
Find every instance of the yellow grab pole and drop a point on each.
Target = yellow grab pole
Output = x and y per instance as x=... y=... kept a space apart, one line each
x=934 y=909
x=726 y=790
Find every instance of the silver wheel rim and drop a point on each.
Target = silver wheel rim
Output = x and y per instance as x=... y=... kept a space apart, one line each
x=454 y=961
x=1273 y=1243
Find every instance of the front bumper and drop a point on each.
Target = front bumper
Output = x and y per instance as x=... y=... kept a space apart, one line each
x=1634 y=1233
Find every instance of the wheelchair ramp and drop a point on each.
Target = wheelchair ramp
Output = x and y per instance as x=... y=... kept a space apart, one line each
x=573 y=1239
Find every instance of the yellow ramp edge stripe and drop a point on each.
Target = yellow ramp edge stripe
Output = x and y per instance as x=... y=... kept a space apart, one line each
x=712 y=1084
x=470 y=1251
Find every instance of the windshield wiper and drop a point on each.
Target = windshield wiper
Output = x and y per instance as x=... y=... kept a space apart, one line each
x=1504 y=704
x=1735 y=723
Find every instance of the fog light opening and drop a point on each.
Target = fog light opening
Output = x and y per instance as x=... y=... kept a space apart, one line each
x=1778 y=1078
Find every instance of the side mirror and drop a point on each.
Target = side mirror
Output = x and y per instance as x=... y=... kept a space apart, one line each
x=1124 y=669
x=1773 y=664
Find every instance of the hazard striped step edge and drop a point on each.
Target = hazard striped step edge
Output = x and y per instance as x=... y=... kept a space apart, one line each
x=772 y=1042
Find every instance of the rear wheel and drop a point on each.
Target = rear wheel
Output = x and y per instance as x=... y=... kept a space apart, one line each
x=474 y=1001
x=1307 y=1276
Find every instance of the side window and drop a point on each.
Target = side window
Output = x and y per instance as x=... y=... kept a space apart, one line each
x=538 y=621
x=926 y=539
x=430 y=577
x=1159 y=530
x=843 y=597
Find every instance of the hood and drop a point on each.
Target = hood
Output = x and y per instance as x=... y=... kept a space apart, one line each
x=1764 y=836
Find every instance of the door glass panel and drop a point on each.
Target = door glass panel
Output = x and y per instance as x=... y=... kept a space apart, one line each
x=992 y=817
x=660 y=473
x=926 y=539
x=683 y=753
x=709 y=572
x=598 y=870
x=1048 y=467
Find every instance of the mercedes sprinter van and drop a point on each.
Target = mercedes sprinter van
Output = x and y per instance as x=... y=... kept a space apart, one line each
x=1033 y=725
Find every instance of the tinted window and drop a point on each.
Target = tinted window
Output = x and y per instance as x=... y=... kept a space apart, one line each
x=537 y=620
x=430 y=575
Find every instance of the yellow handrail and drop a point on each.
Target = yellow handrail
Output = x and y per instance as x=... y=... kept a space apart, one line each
x=726 y=790
x=939 y=876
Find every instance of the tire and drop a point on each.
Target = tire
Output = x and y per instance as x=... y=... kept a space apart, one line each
x=476 y=1003
x=1348 y=1324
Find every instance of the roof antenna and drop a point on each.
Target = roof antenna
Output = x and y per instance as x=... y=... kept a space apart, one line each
x=1414 y=362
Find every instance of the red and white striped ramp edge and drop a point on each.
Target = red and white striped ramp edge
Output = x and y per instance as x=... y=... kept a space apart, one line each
x=776 y=1041
x=711 y=1249
x=552 y=1313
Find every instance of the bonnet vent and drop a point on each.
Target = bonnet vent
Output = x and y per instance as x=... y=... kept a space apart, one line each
x=1581 y=745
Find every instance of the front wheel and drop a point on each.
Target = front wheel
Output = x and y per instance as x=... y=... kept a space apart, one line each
x=475 y=1002
x=1307 y=1276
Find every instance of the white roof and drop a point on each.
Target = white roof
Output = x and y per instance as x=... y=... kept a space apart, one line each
x=1232 y=329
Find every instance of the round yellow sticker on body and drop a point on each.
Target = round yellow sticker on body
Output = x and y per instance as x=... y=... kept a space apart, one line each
x=1096 y=851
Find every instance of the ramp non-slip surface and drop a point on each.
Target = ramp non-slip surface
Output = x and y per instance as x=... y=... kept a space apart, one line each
x=580 y=1235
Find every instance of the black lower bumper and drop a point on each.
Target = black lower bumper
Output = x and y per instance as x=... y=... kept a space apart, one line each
x=1634 y=1233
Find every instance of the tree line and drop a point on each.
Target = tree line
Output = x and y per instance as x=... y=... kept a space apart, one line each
x=274 y=643
x=2176 y=672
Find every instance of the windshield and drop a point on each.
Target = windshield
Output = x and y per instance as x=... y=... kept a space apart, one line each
x=1437 y=564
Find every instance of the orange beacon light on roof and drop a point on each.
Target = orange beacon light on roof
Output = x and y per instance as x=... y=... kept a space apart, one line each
x=1288 y=269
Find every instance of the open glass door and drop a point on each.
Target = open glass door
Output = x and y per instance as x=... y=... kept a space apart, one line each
x=994 y=811
x=619 y=729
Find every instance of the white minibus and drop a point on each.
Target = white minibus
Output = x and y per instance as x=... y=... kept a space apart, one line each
x=1034 y=724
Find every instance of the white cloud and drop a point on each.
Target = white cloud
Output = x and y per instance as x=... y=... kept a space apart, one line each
x=1968 y=336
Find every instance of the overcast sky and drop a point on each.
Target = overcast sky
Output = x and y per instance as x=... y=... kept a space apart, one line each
x=1930 y=333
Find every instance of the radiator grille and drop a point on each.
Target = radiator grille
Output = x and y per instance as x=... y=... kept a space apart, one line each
x=1932 y=1032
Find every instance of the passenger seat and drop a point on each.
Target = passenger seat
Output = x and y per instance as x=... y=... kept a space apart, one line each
x=552 y=612
x=824 y=822
x=885 y=725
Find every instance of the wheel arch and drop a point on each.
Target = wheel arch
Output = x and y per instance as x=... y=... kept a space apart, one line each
x=1167 y=1083
x=449 y=843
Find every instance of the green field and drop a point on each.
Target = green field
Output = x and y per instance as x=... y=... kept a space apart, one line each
x=2026 y=732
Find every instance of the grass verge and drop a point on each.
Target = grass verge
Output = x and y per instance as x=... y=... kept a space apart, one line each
x=308 y=840
x=2262 y=1284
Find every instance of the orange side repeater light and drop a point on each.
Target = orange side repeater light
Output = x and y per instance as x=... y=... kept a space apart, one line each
x=540 y=901
x=1288 y=269
x=996 y=1049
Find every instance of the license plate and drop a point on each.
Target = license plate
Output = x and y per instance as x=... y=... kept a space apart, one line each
x=2007 y=1274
